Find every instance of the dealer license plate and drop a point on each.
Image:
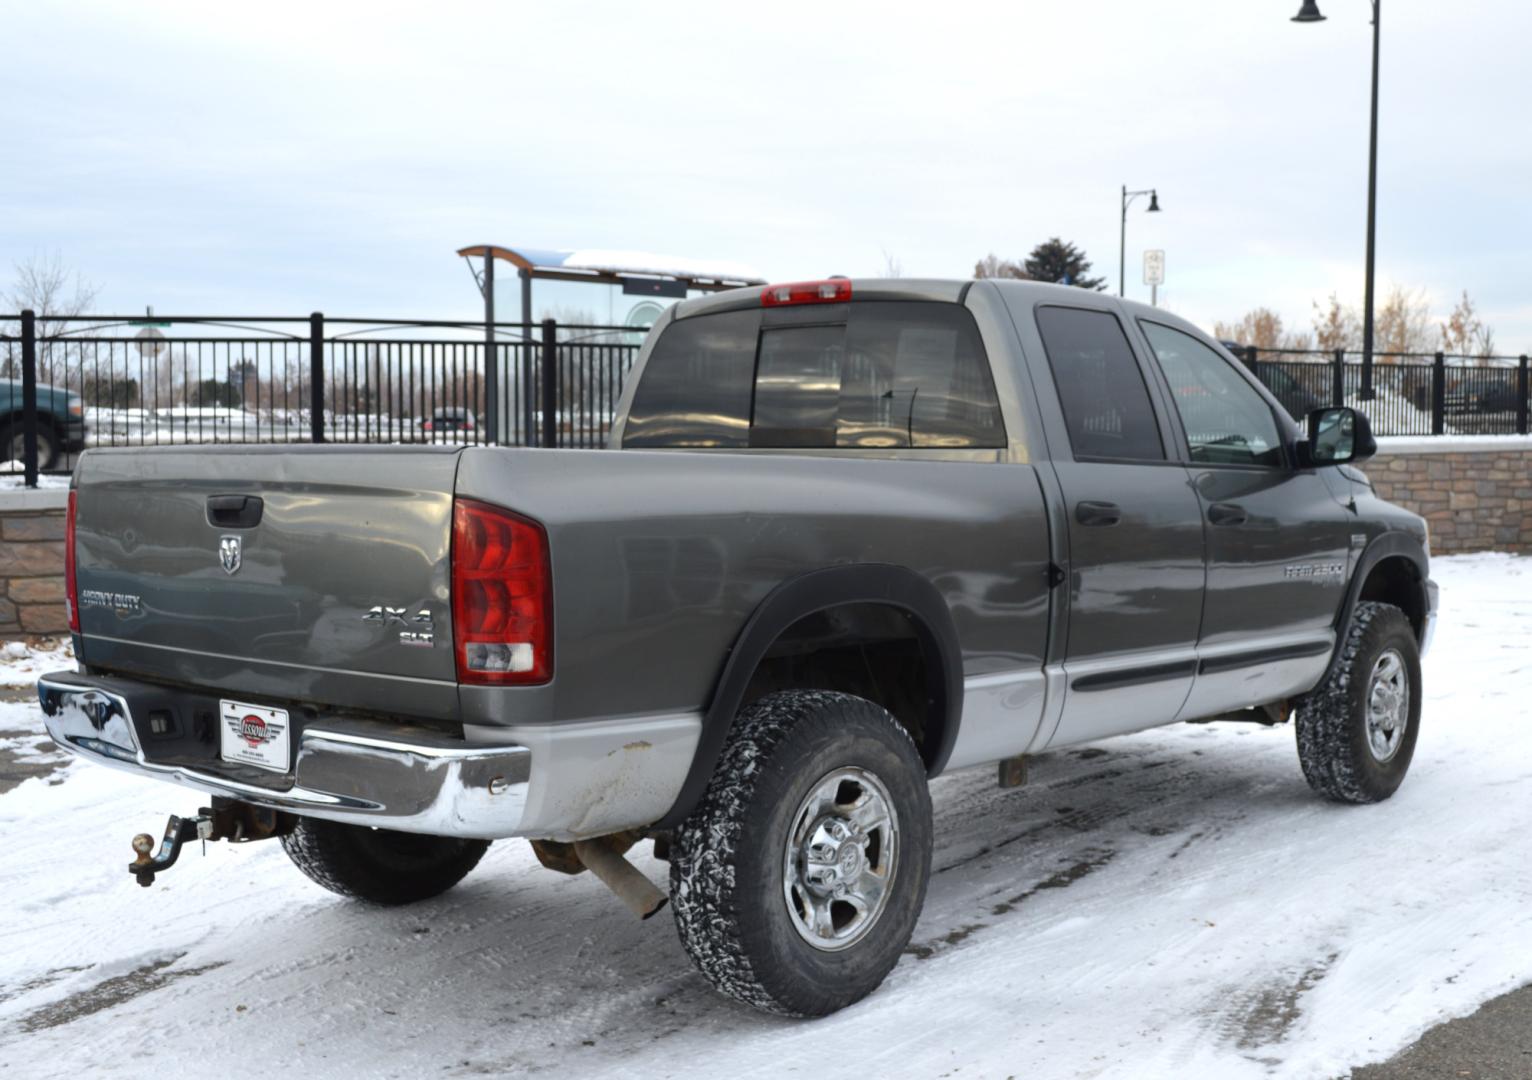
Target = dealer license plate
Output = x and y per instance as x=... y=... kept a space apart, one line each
x=254 y=735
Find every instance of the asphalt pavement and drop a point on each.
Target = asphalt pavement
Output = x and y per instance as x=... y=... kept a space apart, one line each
x=1494 y=1043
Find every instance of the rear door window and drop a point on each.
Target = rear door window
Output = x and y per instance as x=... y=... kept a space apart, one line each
x=1100 y=385
x=888 y=374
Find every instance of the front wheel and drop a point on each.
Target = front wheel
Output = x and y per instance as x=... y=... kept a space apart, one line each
x=1357 y=731
x=797 y=880
x=381 y=866
x=13 y=444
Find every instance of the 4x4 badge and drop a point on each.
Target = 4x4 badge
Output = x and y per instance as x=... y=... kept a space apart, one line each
x=228 y=553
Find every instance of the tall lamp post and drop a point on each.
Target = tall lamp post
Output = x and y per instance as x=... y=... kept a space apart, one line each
x=1122 y=250
x=1309 y=13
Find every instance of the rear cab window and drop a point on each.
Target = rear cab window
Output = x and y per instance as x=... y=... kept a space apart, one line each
x=869 y=374
x=696 y=388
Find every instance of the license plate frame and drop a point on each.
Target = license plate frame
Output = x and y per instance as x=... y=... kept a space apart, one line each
x=256 y=735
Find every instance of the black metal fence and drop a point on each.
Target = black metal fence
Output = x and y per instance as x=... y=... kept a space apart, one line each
x=1412 y=393
x=70 y=384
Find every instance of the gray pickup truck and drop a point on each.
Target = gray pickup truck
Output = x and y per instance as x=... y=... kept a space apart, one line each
x=849 y=535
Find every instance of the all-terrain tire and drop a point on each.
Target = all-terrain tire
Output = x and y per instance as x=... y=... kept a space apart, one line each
x=1332 y=724
x=728 y=871
x=380 y=866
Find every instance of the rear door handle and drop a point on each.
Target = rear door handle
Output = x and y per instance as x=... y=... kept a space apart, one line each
x=1098 y=513
x=1227 y=514
x=234 y=511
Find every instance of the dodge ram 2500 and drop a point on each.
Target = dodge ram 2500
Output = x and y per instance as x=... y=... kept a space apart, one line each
x=848 y=536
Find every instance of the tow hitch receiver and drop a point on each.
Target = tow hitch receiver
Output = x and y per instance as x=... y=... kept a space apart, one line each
x=177 y=832
x=236 y=822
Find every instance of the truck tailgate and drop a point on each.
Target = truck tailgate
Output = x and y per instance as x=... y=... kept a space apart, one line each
x=338 y=593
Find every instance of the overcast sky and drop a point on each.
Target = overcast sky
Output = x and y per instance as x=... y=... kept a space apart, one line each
x=284 y=158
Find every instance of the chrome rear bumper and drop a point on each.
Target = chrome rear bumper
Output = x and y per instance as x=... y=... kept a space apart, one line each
x=355 y=771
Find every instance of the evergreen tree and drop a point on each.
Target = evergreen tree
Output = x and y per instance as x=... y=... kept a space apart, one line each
x=1063 y=263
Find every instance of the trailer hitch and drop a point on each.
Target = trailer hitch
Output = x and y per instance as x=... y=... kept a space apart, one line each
x=177 y=832
x=226 y=819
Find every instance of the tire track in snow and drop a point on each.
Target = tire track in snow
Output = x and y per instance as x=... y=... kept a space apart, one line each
x=111 y=992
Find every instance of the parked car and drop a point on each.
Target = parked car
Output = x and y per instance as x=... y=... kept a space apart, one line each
x=60 y=423
x=1299 y=400
x=450 y=425
x=1493 y=395
x=848 y=536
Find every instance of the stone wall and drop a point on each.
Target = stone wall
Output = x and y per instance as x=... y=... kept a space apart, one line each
x=32 y=564
x=1476 y=492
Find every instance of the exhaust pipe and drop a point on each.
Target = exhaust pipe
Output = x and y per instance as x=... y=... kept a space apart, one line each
x=622 y=877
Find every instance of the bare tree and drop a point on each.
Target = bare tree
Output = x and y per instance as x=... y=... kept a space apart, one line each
x=1465 y=334
x=175 y=378
x=892 y=267
x=992 y=266
x=1262 y=328
x=44 y=285
x=1336 y=326
x=1402 y=325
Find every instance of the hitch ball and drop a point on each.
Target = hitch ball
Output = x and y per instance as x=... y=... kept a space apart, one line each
x=143 y=847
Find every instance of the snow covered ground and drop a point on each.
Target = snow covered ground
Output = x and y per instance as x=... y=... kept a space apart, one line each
x=1170 y=904
x=12 y=478
x=21 y=664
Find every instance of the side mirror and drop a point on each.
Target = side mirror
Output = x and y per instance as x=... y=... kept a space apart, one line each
x=1338 y=436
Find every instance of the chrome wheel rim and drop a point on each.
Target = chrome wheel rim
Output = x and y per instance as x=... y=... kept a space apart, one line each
x=1388 y=706
x=842 y=853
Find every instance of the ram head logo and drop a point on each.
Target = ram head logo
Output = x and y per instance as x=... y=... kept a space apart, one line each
x=229 y=554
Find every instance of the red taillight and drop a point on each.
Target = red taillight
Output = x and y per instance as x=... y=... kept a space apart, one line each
x=502 y=596
x=806 y=292
x=71 y=590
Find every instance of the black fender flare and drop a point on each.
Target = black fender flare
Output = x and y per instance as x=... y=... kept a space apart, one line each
x=806 y=594
x=1384 y=546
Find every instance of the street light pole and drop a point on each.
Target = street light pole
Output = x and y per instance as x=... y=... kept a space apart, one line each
x=1308 y=13
x=1372 y=213
x=1122 y=249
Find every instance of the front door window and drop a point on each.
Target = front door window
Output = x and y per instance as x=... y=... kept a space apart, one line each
x=1227 y=421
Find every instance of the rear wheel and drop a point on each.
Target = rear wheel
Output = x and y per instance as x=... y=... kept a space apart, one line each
x=1356 y=733
x=797 y=880
x=381 y=866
